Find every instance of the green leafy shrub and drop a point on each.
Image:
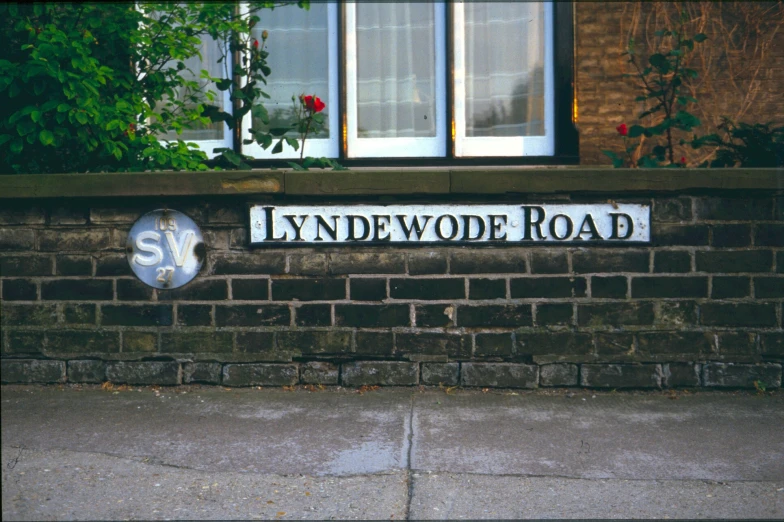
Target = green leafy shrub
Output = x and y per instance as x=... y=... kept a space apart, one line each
x=745 y=145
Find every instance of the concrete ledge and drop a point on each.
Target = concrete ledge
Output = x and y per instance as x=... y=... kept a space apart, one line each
x=388 y=181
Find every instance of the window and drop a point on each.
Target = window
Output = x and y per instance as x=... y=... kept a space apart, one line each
x=423 y=82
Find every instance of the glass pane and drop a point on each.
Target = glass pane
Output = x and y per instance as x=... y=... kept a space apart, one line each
x=298 y=60
x=396 y=63
x=504 y=50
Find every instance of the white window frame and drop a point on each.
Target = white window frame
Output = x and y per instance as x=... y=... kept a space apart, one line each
x=322 y=147
x=395 y=147
x=508 y=146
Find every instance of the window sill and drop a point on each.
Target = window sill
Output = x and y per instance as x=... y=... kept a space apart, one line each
x=389 y=181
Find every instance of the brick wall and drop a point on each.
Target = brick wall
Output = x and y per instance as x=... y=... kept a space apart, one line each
x=701 y=306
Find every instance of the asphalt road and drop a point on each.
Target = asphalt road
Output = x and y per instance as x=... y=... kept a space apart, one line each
x=86 y=453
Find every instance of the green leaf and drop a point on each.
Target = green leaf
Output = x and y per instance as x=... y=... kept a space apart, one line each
x=46 y=137
x=659 y=61
x=17 y=145
x=635 y=131
x=278 y=147
x=296 y=166
x=223 y=85
x=278 y=131
x=293 y=143
x=699 y=38
x=81 y=117
x=35 y=116
x=4 y=138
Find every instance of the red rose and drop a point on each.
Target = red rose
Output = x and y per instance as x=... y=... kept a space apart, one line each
x=683 y=160
x=255 y=44
x=313 y=103
x=622 y=129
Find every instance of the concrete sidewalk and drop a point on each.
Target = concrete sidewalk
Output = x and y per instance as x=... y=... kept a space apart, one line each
x=393 y=453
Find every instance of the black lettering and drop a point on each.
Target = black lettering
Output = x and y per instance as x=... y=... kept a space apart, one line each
x=332 y=231
x=414 y=225
x=617 y=226
x=452 y=220
x=467 y=228
x=528 y=222
x=271 y=226
x=569 y=227
x=591 y=228
x=297 y=228
x=379 y=227
x=496 y=227
x=351 y=230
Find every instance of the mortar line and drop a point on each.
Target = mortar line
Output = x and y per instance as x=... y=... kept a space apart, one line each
x=409 y=474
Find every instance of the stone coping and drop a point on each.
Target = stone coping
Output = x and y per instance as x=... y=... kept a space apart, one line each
x=389 y=181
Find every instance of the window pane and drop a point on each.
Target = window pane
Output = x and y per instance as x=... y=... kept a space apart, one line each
x=396 y=70
x=298 y=58
x=504 y=60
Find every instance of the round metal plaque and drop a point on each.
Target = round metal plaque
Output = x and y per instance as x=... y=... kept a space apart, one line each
x=165 y=249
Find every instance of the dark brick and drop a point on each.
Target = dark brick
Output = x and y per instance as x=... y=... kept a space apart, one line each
x=82 y=342
x=75 y=240
x=769 y=235
x=194 y=315
x=424 y=263
x=669 y=287
x=313 y=315
x=558 y=375
x=75 y=265
x=308 y=264
x=499 y=375
x=737 y=343
x=676 y=375
x=488 y=262
x=611 y=287
x=620 y=376
x=202 y=372
x=19 y=290
x=452 y=345
x=672 y=209
x=427 y=289
x=495 y=315
x=316 y=372
x=780 y=262
x=764 y=287
x=31 y=371
x=486 y=288
x=366 y=289
x=21 y=214
x=260 y=374
x=590 y=261
x=493 y=345
x=114 y=215
x=248 y=263
x=550 y=287
x=17 y=239
x=112 y=265
x=196 y=342
x=730 y=235
x=549 y=263
x=372 y=315
x=216 y=239
x=729 y=287
x=741 y=314
x=694 y=344
x=252 y=315
x=553 y=343
x=29 y=315
x=68 y=216
x=89 y=371
x=262 y=343
x=772 y=344
x=308 y=289
x=367 y=263
x=250 y=289
x=671 y=261
x=375 y=343
x=721 y=375
x=198 y=290
x=318 y=342
x=131 y=315
x=167 y=373
x=25 y=342
x=77 y=290
x=224 y=214
x=734 y=209
x=133 y=290
x=438 y=374
x=679 y=235
x=554 y=313
x=139 y=342
x=614 y=344
x=79 y=313
x=435 y=316
x=735 y=261
x=615 y=314
x=388 y=373
x=11 y=266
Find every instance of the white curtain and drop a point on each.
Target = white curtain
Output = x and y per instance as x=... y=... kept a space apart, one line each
x=504 y=52
x=396 y=95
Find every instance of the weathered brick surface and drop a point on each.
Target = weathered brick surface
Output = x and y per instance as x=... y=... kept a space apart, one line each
x=29 y=315
x=24 y=342
x=499 y=375
x=202 y=372
x=260 y=374
x=167 y=373
x=17 y=239
x=427 y=289
x=494 y=345
x=734 y=261
x=252 y=315
x=308 y=289
x=671 y=261
x=319 y=373
x=389 y=373
x=250 y=289
x=372 y=315
x=453 y=346
x=680 y=235
x=488 y=262
x=192 y=342
x=558 y=375
x=11 y=266
x=620 y=375
x=422 y=263
x=677 y=375
x=495 y=315
x=437 y=315
x=77 y=289
x=366 y=263
x=31 y=370
x=553 y=343
x=599 y=260
x=89 y=371
x=313 y=315
x=19 y=290
x=609 y=287
x=438 y=374
x=549 y=287
x=315 y=342
x=80 y=341
x=133 y=315
x=487 y=289
x=721 y=375
x=75 y=240
x=74 y=265
x=366 y=289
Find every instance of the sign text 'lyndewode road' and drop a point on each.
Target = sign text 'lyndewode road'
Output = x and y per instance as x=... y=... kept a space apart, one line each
x=449 y=224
